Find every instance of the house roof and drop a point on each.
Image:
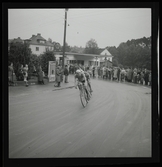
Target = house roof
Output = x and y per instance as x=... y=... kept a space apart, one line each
x=36 y=38
x=81 y=54
x=15 y=40
x=108 y=53
x=100 y=50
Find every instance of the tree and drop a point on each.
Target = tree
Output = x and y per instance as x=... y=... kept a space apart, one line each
x=76 y=49
x=115 y=62
x=91 y=47
x=34 y=62
x=57 y=46
x=19 y=53
x=122 y=53
x=67 y=47
x=135 y=53
x=44 y=60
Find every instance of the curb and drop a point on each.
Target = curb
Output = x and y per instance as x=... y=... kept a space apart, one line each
x=63 y=88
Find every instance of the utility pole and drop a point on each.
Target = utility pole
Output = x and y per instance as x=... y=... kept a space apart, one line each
x=63 y=56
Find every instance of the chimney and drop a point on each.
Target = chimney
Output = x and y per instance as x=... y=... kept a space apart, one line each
x=33 y=35
x=38 y=34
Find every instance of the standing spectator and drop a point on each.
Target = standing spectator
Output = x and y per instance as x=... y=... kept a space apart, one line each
x=106 y=69
x=150 y=79
x=93 y=72
x=104 y=72
x=72 y=68
x=89 y=71
x=112 y=73
x=109 y=71
x=142 y=78
x=146 y=77
x=62 y=73
x=126 y=74
x=20 y=73
x=98 y=71
x=135 y=75
x=118 y=73
x=66 y=73
x=138 y=76
x=25 y=73
x=115 y=73
x=40 y=76
x=10 y=74
x=129 y=75
x=70 y=72
x=58 y=76
x=101 y=72
x=34 y=70
x=122 y=74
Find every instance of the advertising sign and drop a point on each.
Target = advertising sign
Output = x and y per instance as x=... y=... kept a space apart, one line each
x=51 y=71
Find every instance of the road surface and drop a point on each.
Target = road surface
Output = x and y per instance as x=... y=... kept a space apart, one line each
x=115 y=123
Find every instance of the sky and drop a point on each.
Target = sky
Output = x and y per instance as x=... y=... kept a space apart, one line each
x=107 y=26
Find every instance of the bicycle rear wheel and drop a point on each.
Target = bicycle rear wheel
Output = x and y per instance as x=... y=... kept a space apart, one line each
x=82 y=98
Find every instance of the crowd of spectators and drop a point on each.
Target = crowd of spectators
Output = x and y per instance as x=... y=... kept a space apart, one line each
x=134 y=75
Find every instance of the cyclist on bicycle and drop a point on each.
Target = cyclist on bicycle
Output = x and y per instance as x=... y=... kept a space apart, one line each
x=80 y=77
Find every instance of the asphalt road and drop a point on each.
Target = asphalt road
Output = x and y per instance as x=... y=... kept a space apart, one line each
x=46 y=123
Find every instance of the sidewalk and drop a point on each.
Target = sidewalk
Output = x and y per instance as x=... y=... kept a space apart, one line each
x=37 y=88
x=64 y=85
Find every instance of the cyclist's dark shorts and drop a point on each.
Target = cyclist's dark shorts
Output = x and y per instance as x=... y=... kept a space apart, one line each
x=82 y=83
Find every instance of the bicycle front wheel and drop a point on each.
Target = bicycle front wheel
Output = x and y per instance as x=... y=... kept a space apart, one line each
x=82 y=98
x=88 y=88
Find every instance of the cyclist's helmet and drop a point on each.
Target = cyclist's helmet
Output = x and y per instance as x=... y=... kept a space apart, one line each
x=78 y=71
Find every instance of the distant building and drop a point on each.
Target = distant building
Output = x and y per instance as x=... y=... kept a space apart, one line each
x=39 y=45
x=103 y=58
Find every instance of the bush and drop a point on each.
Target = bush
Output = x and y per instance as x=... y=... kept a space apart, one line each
x=45 y=58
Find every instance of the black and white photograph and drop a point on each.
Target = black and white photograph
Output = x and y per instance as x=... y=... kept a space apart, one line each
x=80 y=83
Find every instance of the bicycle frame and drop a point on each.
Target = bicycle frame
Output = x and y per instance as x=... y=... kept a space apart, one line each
x=83 y=94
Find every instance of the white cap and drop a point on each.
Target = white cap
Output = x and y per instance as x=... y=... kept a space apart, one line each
x=78 y=71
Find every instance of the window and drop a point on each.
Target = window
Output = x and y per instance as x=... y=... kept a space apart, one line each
x=41 y=41
x=37 y=48
x=91 y=63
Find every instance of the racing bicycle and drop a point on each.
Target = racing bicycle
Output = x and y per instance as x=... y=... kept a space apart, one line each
x=84 y=94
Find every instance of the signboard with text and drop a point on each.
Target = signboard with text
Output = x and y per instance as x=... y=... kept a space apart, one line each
x=51 y=71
